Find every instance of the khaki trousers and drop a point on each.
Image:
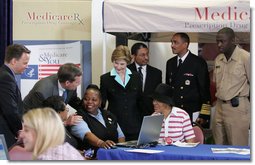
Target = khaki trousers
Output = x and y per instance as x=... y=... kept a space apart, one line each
x=231 y=125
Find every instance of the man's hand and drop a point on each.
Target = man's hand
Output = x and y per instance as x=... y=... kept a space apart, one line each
x=73 y=120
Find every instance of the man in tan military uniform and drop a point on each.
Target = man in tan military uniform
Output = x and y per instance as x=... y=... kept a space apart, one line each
x=232 y=77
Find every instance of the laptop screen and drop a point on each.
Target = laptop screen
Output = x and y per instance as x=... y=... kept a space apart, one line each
x=150 y=129
x=3 y=148
x=149 y=133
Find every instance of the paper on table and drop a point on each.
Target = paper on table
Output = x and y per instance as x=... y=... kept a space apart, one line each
x=195 y=116
x=144 y=151
x=183 y=144
x=242 y=151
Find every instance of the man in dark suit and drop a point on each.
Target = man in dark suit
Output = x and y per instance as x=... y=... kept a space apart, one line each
x=11 y=107
x=189 y=79
x=151 y=76
x=64 y=83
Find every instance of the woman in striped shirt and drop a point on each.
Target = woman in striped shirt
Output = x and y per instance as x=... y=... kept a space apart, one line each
x=177 y=124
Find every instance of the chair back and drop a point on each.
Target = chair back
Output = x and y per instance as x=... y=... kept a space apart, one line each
x=198 y=133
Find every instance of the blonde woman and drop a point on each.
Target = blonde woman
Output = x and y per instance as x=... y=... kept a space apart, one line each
x=44 y=134
x=122 y=89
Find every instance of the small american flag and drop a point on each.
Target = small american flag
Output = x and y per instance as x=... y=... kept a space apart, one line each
x=45 y=70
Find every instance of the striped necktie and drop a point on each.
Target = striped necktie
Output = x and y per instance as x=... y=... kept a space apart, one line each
x=64 y=95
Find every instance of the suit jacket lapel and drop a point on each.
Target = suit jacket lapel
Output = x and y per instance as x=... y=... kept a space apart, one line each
x=14 y=79
x=133 y=67
x=148 y=73
x=55 y=82
x=181 y=70
x=19 y=97
x=128 y=84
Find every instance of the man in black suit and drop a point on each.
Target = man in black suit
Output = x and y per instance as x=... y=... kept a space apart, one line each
x=189 y=79
x=11 y=107
x=150 y=76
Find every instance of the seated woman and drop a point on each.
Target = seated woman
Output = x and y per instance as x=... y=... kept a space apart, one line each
x=100 y=127
x=176 y=125
x=57 y=103
x=44 y=135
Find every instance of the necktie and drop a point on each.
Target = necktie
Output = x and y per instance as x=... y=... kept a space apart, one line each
x=64 y=95
x=180 y=63
x=140 y=73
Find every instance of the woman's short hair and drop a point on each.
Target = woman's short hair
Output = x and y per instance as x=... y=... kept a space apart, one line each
x=121 y=53
x=48 y=126
x=95 y=88
x=55 y=102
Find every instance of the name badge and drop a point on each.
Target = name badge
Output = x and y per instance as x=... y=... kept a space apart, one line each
x=109 y=120
x=168 y=140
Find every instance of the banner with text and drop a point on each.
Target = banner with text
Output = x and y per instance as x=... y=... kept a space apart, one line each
x=173 y=15
x=45 y=61
x=47 y=28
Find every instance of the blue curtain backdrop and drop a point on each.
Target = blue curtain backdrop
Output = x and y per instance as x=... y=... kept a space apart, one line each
x=5 y=27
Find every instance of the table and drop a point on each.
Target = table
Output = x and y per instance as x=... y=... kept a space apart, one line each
x=200 y=152
x=3 y=153
x=3 y=148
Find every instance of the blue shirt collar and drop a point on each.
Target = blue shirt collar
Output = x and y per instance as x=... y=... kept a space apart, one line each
x=118 y=79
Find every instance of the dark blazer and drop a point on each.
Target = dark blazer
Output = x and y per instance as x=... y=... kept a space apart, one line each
x=45 y=88
x=153 y=78
x=11 y=107
x=107 y=132
x=123 y=102
x=190 y=83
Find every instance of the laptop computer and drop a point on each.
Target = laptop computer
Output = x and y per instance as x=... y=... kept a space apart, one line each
x=149 y=133
x=3 y=148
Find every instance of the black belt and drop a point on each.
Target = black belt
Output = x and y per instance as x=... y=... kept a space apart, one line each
x=229 y=101
x=225 y=101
